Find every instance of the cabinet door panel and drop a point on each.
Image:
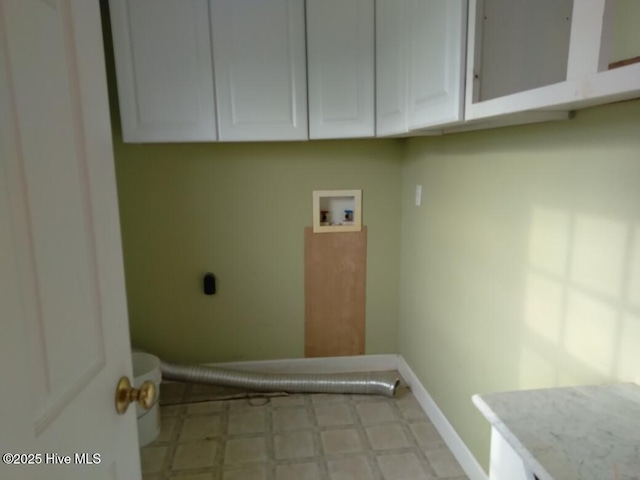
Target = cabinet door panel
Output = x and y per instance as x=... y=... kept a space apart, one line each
x=259 y=58
x=391 y=67
x=163 y=63
x=340 y=35
x=436 y=61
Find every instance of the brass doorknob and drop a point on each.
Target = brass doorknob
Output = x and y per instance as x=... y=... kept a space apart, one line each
x=125 y=394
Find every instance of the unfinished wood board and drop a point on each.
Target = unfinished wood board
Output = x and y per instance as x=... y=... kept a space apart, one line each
x=335 y=271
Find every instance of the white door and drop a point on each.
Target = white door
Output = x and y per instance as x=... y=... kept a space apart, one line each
x=260 y=70
x=63 y=331
x=340 y=59
x=163 y=59
x=437 y=30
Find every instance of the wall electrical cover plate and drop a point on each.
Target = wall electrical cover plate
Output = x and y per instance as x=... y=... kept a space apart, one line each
x=337 y=211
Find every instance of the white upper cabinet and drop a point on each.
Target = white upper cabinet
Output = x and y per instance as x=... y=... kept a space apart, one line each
x=392 y=51
x=260 y=70
x=420 y=64
x=163 y=63
x=437 y=44
x=587 y=56
x=237 y=70
x=340 y=49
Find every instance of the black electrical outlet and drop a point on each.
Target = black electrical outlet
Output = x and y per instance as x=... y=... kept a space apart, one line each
x=209 y=284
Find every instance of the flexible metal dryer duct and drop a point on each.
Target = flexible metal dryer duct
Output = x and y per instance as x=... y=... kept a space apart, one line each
x=277 y=382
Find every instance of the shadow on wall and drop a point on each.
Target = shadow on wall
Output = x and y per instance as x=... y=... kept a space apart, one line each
x=582 y=300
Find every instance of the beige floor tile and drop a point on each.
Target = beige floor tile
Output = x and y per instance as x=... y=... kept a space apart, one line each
x=426 y=435
x=251 y=473
x=294 y=445
x=201 y=428
x=237 y=406
x=171 y=410
x=168 y=426
x=150 y=476
x=195 y=455
x=245 y=450
x=204 y=408
x=202 y=388
x=352 y=468
x=152 y=459
x=298 y=471
x=444 y=463
x=341 y=441
x=328 y=398
x=202 y=398
x=197 y=431
x=252 y=421
x=410 y=408
x=363 y=398
x=387 y=437
x=329 y=415
x=374 y=412
x=290 y=419
x=404 y=466
x=172 y=392
x=287 y=401
x=197 y=476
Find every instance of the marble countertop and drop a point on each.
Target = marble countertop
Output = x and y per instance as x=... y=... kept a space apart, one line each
x=571 y=433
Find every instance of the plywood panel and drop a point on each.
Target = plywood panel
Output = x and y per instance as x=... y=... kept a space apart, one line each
x=335 y=286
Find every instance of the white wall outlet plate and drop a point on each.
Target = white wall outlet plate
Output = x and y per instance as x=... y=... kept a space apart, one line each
x=418 y=195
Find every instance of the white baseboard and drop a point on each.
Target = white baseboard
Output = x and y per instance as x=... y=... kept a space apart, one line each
x=462 y=453
x=357 y=363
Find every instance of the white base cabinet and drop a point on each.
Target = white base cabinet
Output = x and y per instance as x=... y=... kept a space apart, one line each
x=505 y=463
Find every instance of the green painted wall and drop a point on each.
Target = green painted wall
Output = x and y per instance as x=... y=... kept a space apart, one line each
x=521 y=269
x=625 y=42
x=239 y=210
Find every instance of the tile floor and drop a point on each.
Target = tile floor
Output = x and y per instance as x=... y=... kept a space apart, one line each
x=296 y=437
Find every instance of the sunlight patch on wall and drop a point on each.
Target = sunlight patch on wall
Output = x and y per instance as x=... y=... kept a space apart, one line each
x=629 y=353
x=633 y=289
x=536 y=370
x=597 y=260
x=549 y=243
x=581 y=294
x=544 y=306
x=591 y=331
